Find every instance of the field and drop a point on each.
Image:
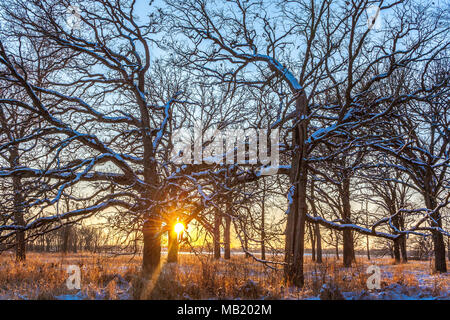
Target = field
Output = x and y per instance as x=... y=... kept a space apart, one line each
x=44 y=276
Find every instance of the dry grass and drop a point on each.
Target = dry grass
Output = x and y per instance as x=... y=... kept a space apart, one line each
x=43 y=276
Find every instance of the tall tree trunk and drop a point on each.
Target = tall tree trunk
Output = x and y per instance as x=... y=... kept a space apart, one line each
x=448 y=247
x=20 y=246
x=227 y=237
x=172 y=254
x=397 y=250
x=439 y=252
x=18 y=200
x=47 y=244
x=152 y=246
x=247 y=255
x=316 y=226
x=296 y=240
x=151 y=252
x=75 y=242
x=243 y=223
x=65 y=240
x=348 y=248
x=347 y=235
x=337 y=245
x=319 y=243
x=440 y=264
x=295 y=227
x=367 y=237
x=216 y=236
x=403 y=249
x=396 y=223
x=313 y=242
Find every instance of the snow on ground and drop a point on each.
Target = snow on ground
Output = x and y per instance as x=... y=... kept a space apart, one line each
x=410 y=281
x=78 y=296
x=413 y=284
x=396 y=292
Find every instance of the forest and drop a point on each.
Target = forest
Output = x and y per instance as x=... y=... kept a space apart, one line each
x=251 y=149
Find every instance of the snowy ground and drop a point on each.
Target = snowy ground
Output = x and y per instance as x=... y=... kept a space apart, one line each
x=44 y=276
x=427 y=286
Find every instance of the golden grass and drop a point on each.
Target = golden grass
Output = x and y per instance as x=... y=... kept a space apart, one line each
x=43 y=276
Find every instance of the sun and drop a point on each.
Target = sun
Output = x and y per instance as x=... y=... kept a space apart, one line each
x=179 y=227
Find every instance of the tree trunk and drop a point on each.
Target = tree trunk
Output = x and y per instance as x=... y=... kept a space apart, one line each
x=295 y=234
x=18 y=200
x=20 y=246
x=295 y=226
x=439 y=252
x=216 y=236
x=313 y=243
x=403 y=248
x=227 y=237
x=247 y=255
x=47 y=242
x=448 y=247
x=152 y=246
x=440 y=264
x=75 y=242
x=397 y=250
x=296 y=242
x=337 y=245
x=316 y=226
x=397 y=242
x=368 y=247
x=151 y=252
x=347 y=234
x=348 y=248
x=172 y=254
x=319 y=243
x=65 y=240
